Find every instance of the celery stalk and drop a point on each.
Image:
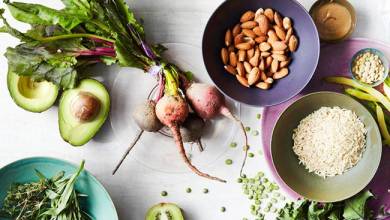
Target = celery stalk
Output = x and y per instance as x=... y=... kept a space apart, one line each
x=360 y=95
x=349 y=82
x=382 y=124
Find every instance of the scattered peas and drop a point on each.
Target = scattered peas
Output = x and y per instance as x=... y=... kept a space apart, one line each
x=239 y=180
x=233 y=144
x=266 y=209
x=223 y=209
x=188 y=190
x=205 y=190
x=258 y=116
x=247 y=129
x=228 y=161
x=251 y=155
x=255 y=132
x=164 y=193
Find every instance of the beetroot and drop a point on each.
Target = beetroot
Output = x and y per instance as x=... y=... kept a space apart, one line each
x=208 y=102
x=144 y=115
x=192 y=130
x=172 y=111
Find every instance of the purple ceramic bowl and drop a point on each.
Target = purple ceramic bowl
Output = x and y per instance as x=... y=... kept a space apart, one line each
x=302 y=68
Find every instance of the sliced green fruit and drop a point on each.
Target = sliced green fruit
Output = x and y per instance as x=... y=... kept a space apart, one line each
x=29 y=95
x=164 y=211
x=82 y=111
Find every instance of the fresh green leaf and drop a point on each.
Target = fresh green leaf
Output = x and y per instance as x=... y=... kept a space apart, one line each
x=355 y=207
x=335 y=215
x=6 y=28
x=294 y=211
x=39 y=14
x=318 y=211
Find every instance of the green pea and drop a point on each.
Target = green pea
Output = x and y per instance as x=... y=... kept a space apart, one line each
x=273 y=209
x=188 y=190
x=250 y=197
x=254 y=212
x=266 y=209
x=251 y=155
x=257 y=202
x=244 y=219
x=273 y=200
x=164 y=193
x=239 y=180
x=258 y=116
x=228 y=161
x=261 y=174
x=246 y=192
x=255 y=133
x=205 y=190
x=233 y=144
x=243 y=175
x=223 y=209
x=247 y=129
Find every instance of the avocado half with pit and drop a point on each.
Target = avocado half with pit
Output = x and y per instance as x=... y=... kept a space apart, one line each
x=31 y=95
x=82 y=111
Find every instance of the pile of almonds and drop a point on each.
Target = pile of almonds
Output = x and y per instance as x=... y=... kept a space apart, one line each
x=257 y=49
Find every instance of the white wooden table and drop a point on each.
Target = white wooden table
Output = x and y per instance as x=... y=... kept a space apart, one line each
x=137 y=187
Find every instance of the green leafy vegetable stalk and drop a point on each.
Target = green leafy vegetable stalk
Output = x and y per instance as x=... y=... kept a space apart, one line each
x=47 y=199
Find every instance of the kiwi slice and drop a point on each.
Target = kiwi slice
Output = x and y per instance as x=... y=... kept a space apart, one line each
x=164 y=211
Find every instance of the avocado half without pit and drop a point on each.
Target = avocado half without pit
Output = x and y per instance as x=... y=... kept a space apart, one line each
x=82 y=111
x=30 y=95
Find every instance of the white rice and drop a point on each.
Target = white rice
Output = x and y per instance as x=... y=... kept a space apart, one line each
x=329 y=141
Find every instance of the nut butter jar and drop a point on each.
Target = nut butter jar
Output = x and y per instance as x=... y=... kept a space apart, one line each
x=335 y=19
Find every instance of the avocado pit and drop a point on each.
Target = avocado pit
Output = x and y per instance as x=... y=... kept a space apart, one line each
x=85 y=107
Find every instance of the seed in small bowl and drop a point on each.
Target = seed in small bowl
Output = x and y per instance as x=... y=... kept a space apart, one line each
x=369 y=66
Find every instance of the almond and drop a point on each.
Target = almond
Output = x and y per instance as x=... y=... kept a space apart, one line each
x=278 y=19
x=280 y=32
x=262 y=64
x=268 y=61
x=281 y=74
x=263 y=85
x=285 y=63
x=239 y=39
x=249 y=33
x=233 y=59
x=257 y=31
x=263 y=76
x=228 y=37
x=274 y=66
x=270 y=14
x=249 y=24
x=288 y=34
x=244 y=46
x=286 y=23
x=272 y=36
x=247 y=67
x=279 y=45
x=240 y=69
x=230 y=69
x=269 y=80
x=281 y=52
x=236 y=30
x=264 y=47
x=279 y=57
x=249 y=40
x=259 y=12
x=242 y=80
x=253 y=76
x=241 y=55
x=224 y=56
x=293 y=43
x=247 y=16
x=250 y=53
x=260 y=39
x=265 y=54
x=254 y=61
x=263 y=22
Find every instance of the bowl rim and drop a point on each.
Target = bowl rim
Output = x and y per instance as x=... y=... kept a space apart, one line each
x=49 y=159
x=292 y=95
x=369 y=179
x=382 y=57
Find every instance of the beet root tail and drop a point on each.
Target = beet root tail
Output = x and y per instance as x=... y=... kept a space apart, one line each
x=179 y=143
x=227 y=113
x=136 y=139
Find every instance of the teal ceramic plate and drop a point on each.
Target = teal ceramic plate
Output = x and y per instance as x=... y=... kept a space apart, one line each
x=308 y=184
x=98 y=204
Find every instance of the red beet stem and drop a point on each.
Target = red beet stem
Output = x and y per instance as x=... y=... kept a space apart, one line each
x=179 y=143
x=227 y=113
x=128 y=151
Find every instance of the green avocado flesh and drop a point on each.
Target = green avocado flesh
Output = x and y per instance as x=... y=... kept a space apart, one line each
x=164 y=211
x=29 y=95
x=72 y=129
